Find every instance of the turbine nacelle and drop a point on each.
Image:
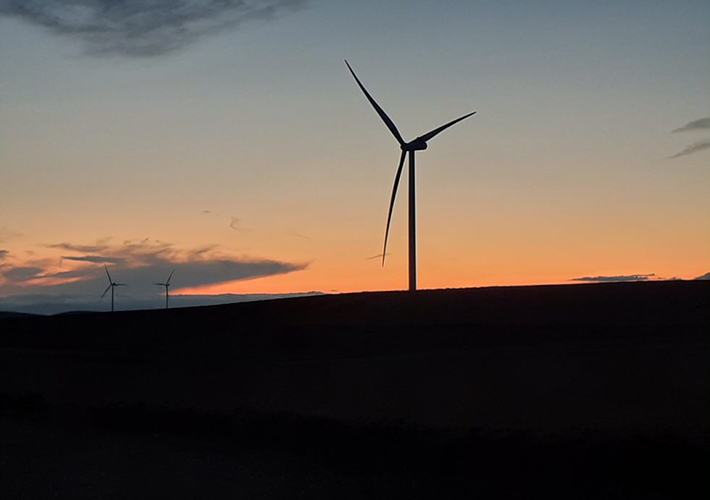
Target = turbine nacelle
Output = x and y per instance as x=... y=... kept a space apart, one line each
x=417 y=144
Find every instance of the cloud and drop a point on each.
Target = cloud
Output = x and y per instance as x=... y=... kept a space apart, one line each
x=3 y=254
x=615 y=279
x=95 y=258
x=6 y=233
x=142 y=28
x=693 y=148
x=701 y=145
x=701 y=124
x=234 y=224
x=98 y=247
x=704 y=277
x=23 y=273
x=138 y=263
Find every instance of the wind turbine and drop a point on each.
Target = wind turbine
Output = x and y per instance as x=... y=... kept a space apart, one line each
x=418 y=144
x=167 y=292
x=111 y=286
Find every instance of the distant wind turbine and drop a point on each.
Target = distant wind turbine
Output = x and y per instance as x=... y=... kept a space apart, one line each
x=111 y=286
x=418 y=144
x=167 y=292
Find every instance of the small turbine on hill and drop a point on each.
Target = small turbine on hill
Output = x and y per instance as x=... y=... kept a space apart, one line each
x=111 y=286
x=418 y=144
x=167 y=291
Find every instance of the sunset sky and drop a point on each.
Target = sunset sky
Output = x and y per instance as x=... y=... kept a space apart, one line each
x=229 y=140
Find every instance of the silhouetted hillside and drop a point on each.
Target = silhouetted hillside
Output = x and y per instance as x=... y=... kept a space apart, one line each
x=573 y=356
x=12 y=314
x=598 y=389
x=372 y=323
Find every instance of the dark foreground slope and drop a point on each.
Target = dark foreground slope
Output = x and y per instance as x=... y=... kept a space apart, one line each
x=593 y=391
x=551 y=358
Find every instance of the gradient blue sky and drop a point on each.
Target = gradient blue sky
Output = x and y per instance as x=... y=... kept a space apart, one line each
x=563 y=173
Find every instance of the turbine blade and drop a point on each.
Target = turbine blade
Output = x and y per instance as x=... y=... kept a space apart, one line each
x=394 y=194
x=439 y=130
x=106 y=291
x=120 y=284
x=159 y=284
x=171 y=275
x=107 y=274
x=388 y=121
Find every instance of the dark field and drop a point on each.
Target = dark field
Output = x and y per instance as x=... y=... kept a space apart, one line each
x=580 y=391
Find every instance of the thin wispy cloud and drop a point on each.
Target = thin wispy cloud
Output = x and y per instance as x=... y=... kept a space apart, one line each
x=696 y=147
x=615 y=279
x=99 y=246
x=7 y=233
x=142 y=28
x=98 y=259
x=21 y=273
x=701 y=124
x=4 y=254
x=234 y=224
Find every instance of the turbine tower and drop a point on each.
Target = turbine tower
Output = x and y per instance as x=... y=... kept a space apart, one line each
x=112 y=284
x=167 y=292
x=418 y=144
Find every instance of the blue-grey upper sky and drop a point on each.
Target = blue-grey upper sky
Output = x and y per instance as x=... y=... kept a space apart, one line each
x=235 y=125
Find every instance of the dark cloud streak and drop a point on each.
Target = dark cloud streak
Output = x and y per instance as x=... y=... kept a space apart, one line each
x=98 y=247
x=697 y=125
x=693 y=148
x=23 y=273
x=95 y=259
x=615 y=279
x=142 y=28
x=701 y=124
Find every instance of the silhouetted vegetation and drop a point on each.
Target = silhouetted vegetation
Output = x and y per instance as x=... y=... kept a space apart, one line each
x=25 y=404
x=392 y=459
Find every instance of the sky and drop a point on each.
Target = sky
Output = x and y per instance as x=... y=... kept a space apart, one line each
x=227 y=140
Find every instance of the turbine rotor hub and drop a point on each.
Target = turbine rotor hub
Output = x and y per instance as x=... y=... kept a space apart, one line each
x=415 y=145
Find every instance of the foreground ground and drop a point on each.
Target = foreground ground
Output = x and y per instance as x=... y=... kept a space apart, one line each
x=136 y=452
x=598 y=391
